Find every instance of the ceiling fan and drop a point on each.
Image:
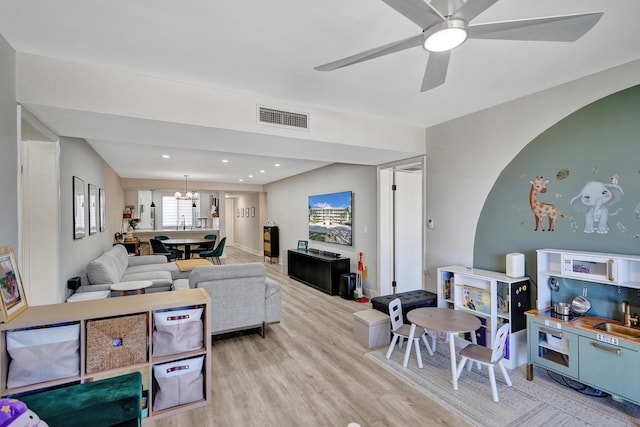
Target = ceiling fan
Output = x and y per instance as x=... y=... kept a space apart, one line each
x=445 y=25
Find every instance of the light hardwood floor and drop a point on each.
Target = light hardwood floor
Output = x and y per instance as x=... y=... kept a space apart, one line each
x=308 y=371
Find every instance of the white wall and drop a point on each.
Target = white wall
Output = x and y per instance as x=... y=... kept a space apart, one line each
x=77 y=158
x=466 y=156
x=288 y=207
x=247 y=229
x=9 y=145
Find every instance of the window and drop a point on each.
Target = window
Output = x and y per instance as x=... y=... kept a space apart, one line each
x=177 y=213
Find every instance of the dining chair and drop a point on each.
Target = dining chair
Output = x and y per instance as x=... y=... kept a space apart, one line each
x=206 y=246
x=488 y=357
x=159 y=248
x=178 y=252
x=216 y=253
x=401 y=331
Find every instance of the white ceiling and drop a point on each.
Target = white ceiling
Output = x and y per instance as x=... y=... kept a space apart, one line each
x=269 y=49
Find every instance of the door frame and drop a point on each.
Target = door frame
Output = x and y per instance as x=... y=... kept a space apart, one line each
x=386 y=233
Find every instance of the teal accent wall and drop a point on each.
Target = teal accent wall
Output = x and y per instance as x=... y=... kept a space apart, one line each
x=592 y=144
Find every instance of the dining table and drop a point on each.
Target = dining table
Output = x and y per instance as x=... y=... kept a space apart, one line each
x=453 y=322
x=187 y=243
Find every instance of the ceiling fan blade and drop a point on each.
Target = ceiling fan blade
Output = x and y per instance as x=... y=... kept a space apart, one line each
x=565 y=28
x=436 y=71
x=373 y=53
x=471 y=9
x=418 y=11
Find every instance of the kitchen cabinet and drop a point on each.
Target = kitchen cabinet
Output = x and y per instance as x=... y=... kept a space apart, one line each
x=599 y=359
x=86 y=314
x=614 y=368
x=610 y=269
x=574 y=348
x=553 y=346
x=493 y=297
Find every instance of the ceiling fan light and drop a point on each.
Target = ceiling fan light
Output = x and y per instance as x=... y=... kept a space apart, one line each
x=446 y=36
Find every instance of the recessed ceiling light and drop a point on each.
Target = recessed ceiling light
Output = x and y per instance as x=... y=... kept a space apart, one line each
x=262 y=171
x=165 y=156
x=225 y=161
x=240 y=179
x=250 y=176
x=277 y=165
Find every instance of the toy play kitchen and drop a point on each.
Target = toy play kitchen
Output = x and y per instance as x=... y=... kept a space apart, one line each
x=594 y=340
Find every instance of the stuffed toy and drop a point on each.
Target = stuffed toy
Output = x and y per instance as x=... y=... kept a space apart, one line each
x=14 y=413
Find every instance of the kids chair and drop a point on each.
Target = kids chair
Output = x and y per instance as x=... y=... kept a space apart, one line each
x=401 y=331
x=488 y=357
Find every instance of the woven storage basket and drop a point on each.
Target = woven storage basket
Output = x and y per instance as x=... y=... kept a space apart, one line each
x=116 y=342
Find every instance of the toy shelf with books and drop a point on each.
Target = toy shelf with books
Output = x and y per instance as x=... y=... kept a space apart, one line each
x=495 y=299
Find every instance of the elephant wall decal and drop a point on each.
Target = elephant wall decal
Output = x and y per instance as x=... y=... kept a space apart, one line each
x=593 y=202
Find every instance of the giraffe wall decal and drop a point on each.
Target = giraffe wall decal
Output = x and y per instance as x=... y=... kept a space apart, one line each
x=541 y=209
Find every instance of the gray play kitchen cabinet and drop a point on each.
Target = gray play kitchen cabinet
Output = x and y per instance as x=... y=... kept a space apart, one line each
x=590 y=349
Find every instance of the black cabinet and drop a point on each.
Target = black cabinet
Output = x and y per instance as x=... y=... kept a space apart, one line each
x=271 y=246
x=318 y=270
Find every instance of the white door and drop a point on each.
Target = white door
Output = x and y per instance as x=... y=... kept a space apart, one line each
x=401 y=231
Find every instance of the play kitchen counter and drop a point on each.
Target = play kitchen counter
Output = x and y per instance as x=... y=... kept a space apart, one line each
x=576 y=349
x=593 y=350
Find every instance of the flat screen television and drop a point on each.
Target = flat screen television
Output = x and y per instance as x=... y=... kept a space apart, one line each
x=330 y=217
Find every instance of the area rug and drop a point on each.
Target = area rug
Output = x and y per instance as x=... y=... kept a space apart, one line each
x=547 y=400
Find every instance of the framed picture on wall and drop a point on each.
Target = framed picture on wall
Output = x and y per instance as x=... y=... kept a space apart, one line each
x=13 y=301
x=241 y=212
x=246 y=212
x=93 y=209
x=78 y=208
x=253 y=212
x=102 y=207
x=237 y=213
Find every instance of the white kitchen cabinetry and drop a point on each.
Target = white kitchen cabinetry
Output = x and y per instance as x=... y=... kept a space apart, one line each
x=493 y=297
x=610 y=269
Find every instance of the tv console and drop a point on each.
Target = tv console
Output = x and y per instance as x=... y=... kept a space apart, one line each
x=317 y=269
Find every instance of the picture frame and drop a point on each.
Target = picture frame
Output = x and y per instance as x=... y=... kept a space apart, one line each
x=78 y=208
x=93 y=209
x=13 y=300
x=102 y=206
x=253 y=212
x=246 y=212
x=302 y=245
x=241 y=212
x=237 y=213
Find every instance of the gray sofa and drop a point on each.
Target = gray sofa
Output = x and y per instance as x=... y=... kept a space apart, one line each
x=115 y=265
x=242 y=296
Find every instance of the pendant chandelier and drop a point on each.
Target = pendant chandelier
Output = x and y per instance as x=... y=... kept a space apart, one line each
x=188 y=194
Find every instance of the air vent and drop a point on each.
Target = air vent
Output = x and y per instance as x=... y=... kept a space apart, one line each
x=288 y=119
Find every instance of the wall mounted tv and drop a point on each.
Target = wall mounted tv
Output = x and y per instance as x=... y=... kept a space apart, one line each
x=330 y=217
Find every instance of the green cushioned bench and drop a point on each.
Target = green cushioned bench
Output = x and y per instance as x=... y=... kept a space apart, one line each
x=109 y=402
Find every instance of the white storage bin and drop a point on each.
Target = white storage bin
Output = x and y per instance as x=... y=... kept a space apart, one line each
x=372 y=328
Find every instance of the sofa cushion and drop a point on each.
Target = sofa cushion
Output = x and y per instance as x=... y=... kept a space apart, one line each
x=208 y=273
x=158 y=278
x=121 y=257
x=103 y=270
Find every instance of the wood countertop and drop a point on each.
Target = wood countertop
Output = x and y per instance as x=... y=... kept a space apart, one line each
x=585 y=323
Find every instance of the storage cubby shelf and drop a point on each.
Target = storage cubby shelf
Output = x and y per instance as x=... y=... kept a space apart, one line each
x=91 y=310
x=493 y=297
